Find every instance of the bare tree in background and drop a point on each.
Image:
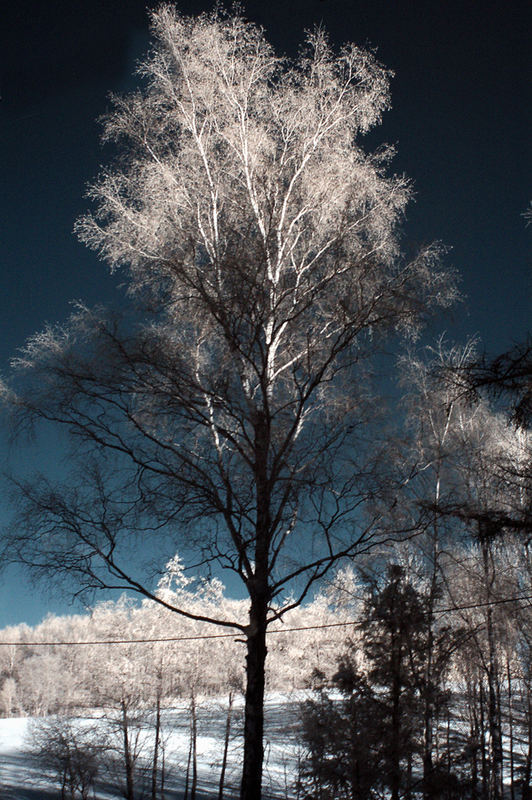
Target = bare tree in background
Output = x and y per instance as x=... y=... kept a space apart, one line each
x=432 y=407
x=71 y=750
x=230 y=417
x=507 y=376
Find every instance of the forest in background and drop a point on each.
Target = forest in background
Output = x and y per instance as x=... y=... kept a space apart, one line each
x=436 y=659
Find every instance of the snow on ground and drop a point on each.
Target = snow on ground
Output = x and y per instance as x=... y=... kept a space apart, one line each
x=23 y=778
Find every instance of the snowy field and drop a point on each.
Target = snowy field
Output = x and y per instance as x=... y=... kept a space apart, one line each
x=23 y=778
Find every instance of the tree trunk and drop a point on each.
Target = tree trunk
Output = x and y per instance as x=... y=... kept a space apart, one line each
x=226 y=746
x=429 y=688
x=254 y=702
x=429 y=692
x=448 y=743
x=163 y=771
x=407 y=794
x=156 y=748
x=428 y=722
x=128 y=760
x=495 y=732
x=251 y=788
x=474 y=766
x=494 y=720
x=395 y=733
x=474 y=737
x=484 y=759
x=527 y=771
x=64 y=784
x=194 y=736
x=510 y=727
x=187 y=775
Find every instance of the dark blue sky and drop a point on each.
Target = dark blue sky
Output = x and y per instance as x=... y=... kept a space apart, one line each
x=460 y=120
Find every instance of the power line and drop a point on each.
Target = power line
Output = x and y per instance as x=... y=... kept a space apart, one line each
x=485 y=603
x=155 y=640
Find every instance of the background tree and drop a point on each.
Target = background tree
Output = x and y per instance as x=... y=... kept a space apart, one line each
x=394 y=636
x=342 y=757
x=260 y=243
x=432 y=407
x=508 y=375
x=72 y=750
x=371 y=740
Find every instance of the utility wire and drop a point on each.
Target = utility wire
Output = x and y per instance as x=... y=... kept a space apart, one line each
x=351 y=623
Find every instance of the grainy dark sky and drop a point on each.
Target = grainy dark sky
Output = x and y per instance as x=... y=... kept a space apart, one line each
x=460 y=120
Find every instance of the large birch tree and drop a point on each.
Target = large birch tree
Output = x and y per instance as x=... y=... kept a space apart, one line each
x=229 y=415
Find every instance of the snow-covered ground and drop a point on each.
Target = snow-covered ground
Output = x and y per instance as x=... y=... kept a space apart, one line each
x=22 y=777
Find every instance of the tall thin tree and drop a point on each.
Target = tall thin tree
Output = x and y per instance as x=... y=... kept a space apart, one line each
x=262 y=259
